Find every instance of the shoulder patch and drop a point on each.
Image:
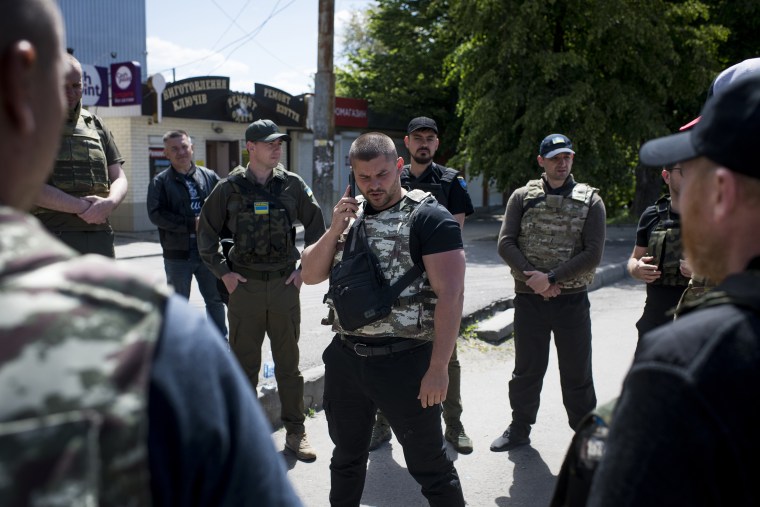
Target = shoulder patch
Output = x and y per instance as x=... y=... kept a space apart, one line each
x=462 y=182
x=308 y=190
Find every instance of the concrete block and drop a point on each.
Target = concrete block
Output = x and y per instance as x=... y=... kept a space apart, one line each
x=313 y=394
x=498 y=327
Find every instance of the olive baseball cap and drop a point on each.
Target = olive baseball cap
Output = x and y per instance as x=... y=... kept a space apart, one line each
x=726 y=133
x=264 y=131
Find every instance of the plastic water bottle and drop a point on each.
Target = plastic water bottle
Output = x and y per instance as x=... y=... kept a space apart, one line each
x=269 y=367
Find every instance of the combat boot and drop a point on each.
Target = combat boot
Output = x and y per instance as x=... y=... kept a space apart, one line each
x=299 y=445
x=458 y=438
x=381 y=432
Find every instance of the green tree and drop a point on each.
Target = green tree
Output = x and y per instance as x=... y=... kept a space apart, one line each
x=396 y=52
x=607 y=73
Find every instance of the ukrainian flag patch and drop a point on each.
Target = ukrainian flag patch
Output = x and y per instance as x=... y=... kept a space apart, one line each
x=308 y=191
x=261 y=208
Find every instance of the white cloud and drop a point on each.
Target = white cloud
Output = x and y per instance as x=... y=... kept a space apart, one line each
x=178 y=62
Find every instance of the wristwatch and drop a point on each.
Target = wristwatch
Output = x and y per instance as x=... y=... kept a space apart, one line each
x=552 y=277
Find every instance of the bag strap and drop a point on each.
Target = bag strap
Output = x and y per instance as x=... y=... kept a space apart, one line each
x=359 y=233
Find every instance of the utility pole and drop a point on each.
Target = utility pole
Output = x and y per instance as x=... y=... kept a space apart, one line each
x=324 y=111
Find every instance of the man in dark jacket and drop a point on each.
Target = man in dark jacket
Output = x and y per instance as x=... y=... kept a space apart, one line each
x=684 y=430
x=175 y=197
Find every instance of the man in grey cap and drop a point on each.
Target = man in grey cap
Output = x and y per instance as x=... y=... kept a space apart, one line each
x=685 y=426
x=259 y=204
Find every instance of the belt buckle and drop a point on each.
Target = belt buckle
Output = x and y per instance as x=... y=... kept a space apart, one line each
x=357 y=351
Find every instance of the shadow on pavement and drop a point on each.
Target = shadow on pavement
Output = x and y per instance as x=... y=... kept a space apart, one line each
x=532 y=481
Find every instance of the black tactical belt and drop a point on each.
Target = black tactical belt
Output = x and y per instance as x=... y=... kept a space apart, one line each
x=364 y=350
x=265 y=276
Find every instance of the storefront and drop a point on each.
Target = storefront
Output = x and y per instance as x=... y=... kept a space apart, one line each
x=216 y=119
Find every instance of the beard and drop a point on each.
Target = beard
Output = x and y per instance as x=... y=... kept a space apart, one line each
x=703 y=248
x=423 y=158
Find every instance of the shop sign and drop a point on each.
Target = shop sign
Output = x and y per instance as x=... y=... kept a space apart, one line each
x=94 y=85
x=351 y=112
x=198 y=97
x=281 y=107
x=126 y=86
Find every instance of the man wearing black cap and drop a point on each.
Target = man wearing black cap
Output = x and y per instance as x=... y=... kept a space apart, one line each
x=552 y=238
x=449 y=189
x=259 y=205
x=657 y=257
x=685 y=429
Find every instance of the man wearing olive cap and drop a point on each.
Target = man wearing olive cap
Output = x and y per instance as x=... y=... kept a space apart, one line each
x=259 y=204
x=685 y=428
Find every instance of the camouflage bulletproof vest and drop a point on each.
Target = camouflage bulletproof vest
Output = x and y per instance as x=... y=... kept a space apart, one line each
x=81 y=168
x=388 y=235
x=665 y=245
x=550 y=231
x=264 y=232
x=76 y=343
x=698 y=286
x=714 y=297
x=440 y=190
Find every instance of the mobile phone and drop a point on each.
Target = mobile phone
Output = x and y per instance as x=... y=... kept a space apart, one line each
x=352 y=182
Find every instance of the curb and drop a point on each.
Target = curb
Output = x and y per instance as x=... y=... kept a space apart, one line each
x=500 y=312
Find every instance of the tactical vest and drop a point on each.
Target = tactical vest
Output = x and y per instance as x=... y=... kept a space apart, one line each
x=76 y=343
x=550 y=231
x=264 y=232
x=81 y=167
x=388 y=234
x=713 y=297
x=439 y=190
x=666 y=247
x=698 y=286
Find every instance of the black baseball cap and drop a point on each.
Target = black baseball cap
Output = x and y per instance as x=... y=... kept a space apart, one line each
x=422 y=122
x=727 y=132
x=554 y=144
x=264 y=131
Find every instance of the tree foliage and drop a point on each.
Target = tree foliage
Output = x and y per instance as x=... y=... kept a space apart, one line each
x=502 y=74
x=395 y=54
x=607 y=73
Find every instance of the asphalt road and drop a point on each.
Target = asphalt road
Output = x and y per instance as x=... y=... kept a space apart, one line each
x=523 y=477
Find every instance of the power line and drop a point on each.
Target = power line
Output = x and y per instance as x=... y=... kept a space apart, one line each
x=240 y=41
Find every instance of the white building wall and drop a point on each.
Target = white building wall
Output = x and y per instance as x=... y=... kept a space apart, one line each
x=134 y=136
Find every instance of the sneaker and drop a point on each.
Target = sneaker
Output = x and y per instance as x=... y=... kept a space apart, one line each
x=458 y=438
x=299 y=445
x=514 y=436
x=380 y=433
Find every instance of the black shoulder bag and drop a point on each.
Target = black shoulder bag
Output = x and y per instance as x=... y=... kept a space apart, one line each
x=358 y=290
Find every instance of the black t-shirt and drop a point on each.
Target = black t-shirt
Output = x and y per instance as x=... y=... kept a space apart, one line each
x=458 y=199
x=648 y=221
x=660 y=298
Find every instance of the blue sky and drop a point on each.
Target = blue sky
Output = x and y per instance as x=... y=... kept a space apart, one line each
x=273 y=42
